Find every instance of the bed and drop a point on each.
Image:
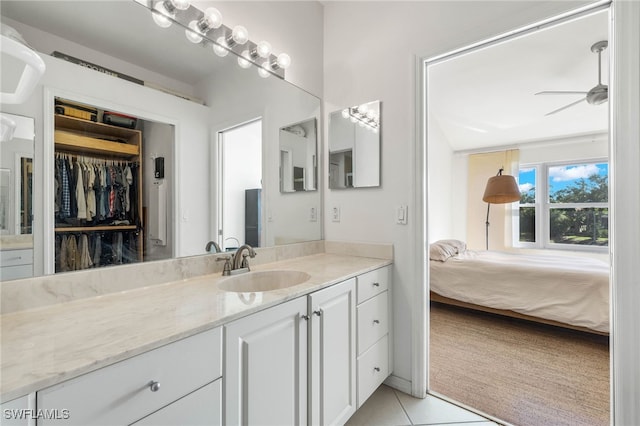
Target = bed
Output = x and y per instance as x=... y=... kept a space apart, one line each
x=568 y=291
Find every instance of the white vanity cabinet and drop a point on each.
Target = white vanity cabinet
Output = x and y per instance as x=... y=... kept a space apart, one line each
x=17 y=411
x=15 y=264
x=373 y=314
x=266 y=367
x=186 y=373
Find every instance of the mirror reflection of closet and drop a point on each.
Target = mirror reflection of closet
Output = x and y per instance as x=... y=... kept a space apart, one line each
x=354 y=146
x=16 y=197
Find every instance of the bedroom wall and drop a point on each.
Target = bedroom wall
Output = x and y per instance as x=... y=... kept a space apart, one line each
x=441 y=194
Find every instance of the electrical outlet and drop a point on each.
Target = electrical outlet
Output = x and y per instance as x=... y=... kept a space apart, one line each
x=335 y=214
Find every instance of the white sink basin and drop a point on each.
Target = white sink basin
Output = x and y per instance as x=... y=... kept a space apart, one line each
x=263 y=281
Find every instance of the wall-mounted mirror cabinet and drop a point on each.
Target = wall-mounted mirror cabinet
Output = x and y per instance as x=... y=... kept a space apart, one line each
x=214 y=95
x=16 y=197
x=298 y=156
x=354 y=146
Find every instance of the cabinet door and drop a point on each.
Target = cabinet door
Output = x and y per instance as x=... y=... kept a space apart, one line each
x=333 y=354
x=265 y=377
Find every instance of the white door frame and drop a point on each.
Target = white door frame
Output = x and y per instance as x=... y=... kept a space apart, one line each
x=624 y=133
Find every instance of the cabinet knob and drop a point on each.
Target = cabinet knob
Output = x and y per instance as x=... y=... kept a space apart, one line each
x=318 y=313
x=305 y=317
x=376 y=284
x=376 y=321
x=377 y=369
x=154 y=386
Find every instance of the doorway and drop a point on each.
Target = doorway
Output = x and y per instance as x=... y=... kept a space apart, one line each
x=499 y=133
x=240 y=185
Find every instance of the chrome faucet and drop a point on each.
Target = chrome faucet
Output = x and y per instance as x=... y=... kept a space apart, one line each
x=239 y=260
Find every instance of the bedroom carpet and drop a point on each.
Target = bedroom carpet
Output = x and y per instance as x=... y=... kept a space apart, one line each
x=520 y=372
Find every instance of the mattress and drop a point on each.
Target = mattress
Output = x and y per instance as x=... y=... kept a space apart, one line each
x=571 y=290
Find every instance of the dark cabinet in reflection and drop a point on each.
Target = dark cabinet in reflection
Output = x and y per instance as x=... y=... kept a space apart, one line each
x=252 y=211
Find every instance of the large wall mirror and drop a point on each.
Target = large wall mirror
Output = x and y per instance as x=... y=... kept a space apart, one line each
x=214 y=95
x=354 y=146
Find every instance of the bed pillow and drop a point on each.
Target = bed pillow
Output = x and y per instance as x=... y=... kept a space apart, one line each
x=442 y=250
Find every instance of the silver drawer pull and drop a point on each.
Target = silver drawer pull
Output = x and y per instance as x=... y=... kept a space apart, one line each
x=376 y=284
x=376 y=322
x=377 y=369
x=15 y=258
x=305 y=317
x=318 y=313
x=154 y=386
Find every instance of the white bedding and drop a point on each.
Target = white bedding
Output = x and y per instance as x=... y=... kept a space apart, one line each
x=572 y=290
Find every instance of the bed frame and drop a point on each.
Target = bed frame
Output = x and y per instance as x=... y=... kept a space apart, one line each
x=435 y=297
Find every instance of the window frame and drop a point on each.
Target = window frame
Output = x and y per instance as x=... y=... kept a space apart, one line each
x=542 y=208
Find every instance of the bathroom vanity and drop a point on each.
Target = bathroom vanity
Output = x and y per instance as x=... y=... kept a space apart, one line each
x=187 y=352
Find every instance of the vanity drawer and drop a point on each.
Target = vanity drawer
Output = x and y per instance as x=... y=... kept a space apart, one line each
x=201 y=407
x=122 y=393
x=373 y=321
x=372 y=283
x=373 y=368
x=16 y=257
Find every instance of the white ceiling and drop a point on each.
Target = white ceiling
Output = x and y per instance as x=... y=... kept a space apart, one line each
x=486 y=98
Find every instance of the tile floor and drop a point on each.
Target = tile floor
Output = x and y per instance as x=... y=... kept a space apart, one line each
x=388 y=407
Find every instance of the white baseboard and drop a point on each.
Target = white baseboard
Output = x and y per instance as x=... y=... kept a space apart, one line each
x=399 y=383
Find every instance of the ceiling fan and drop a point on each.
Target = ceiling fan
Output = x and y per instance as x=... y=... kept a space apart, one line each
x=595 y=96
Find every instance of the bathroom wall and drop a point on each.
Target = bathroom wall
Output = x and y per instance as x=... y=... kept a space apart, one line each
x=370 y=52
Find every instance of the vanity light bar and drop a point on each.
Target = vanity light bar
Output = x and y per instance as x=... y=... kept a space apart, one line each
x=362 y=115
x=207 y=28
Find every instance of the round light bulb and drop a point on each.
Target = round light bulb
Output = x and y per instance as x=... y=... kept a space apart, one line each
x=263 y=71
x=161 y=15
x=181 y=4
x=264 y=49
x=284 y=61
x=371 y=114
x=193 y=34
x=345 y=113
x=240 y=34
x=219 y=48
x=243 y=60
x=363 y=109
x=353 y=119
x=213 y=17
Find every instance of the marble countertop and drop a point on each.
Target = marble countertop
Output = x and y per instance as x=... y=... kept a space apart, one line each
x=44 y=346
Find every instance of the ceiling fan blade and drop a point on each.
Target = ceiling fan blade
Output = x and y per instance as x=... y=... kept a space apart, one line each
x=560 y=92
x=566 y=106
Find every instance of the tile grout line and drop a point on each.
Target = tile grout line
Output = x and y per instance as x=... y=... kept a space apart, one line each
x=395 y=392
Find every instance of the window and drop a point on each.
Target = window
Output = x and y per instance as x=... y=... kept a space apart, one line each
x=564 y=205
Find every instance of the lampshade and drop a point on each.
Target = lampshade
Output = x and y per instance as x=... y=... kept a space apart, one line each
x=501 y=189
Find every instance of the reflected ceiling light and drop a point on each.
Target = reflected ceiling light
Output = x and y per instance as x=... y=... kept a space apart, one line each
x=345 y=113
x=211 y=19
x=164 y=12
x=220 y=47
x=244 y=59
x=263 y=49
x=264 y=71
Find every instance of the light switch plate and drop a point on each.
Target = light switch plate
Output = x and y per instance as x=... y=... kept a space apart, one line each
x=313 y=215
x=401 y=214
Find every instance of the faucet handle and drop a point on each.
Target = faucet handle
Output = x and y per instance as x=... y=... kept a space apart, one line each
x=226 y=270
x=245 y=262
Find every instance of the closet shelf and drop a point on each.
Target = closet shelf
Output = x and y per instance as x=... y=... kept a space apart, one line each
x=96 y=228
x=77 y=143
x=93 y=128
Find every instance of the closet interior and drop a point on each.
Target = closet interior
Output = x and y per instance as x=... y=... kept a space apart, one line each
x=99 y=218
